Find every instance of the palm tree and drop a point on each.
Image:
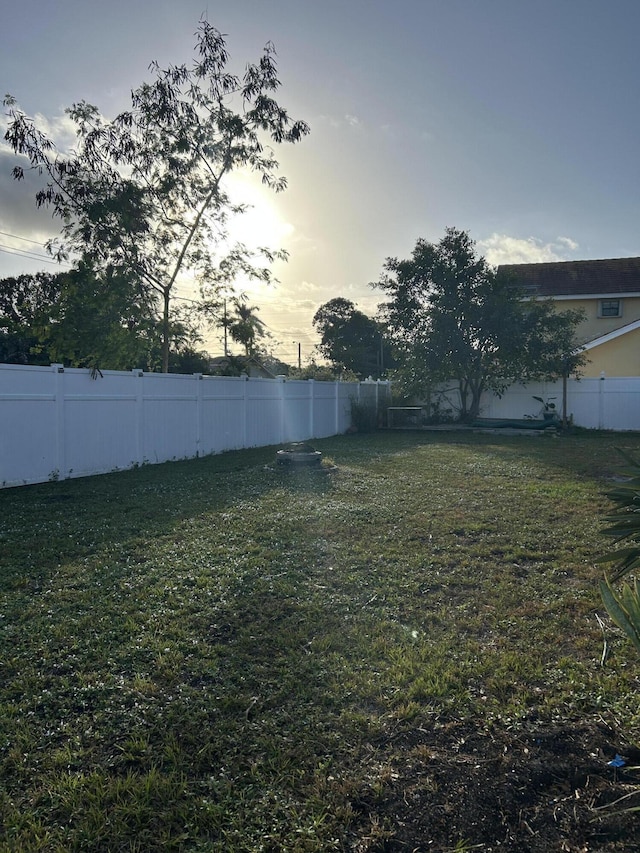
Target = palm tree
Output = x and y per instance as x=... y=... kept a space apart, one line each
x=246 y=327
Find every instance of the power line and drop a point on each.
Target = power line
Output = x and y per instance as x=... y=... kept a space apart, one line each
x=10 y=251
x=34 y=256
x=26 y=239
x=185 y=299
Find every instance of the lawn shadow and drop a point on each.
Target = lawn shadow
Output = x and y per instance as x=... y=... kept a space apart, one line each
x=211 y=655
x=45 y=525
x=42 y=526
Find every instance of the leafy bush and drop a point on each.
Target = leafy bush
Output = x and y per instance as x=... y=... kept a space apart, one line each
x=364 y=416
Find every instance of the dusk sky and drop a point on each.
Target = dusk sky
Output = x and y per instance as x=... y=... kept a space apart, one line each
x=516 y=120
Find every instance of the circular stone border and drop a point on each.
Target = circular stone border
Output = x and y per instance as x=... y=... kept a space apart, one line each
x=298 y=457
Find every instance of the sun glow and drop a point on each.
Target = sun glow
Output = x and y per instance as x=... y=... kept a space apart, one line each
x=261 y=224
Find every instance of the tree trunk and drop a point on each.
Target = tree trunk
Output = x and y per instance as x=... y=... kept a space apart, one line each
x=477 y=387
x=463 y=388
x=165 y=332
x=470 y=408
x=474 y=410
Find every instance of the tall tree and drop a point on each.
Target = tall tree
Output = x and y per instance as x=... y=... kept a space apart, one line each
x=349 y=339
x=245 y=327
x=452 y=317
x=144 y=193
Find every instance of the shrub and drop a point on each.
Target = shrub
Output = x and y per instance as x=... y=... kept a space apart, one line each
x=623 y=603
x=364 y=416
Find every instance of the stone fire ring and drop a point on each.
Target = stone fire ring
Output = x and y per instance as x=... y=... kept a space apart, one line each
x=299 y=454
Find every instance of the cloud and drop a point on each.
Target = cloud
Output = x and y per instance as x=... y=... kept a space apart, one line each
x=19 y=213
x=502 y=249
x=568 y=242
x=348 y=119
x=26 y=228
x=304 y=287
x=294 y=291
x=61 y=129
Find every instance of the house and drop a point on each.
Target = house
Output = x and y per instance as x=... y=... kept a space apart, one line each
x=236 y=365
x=608 y=292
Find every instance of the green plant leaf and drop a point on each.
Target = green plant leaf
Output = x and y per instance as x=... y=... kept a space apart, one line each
x=618 y=612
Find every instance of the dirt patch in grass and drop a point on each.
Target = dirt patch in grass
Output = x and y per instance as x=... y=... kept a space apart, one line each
x=460 y=787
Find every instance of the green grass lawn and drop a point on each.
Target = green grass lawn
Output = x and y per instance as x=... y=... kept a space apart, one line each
x=214 y=655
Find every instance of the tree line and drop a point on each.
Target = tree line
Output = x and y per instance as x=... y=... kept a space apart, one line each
x=82 y=318
x=142 y=200
x=449 y=316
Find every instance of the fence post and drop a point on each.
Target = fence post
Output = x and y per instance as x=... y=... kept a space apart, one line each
x=139 y=416
x=336 y=386
x=58 y=393
x=312 y=401
x=245 y=408
x=601 y=401
x=282 y=401
x=199 y=407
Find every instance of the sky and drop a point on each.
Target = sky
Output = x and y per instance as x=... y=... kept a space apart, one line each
x=515 y=120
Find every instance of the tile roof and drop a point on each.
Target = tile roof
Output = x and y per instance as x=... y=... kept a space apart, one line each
x=577 y=278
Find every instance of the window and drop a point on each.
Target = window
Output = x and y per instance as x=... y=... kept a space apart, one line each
x=610 y=308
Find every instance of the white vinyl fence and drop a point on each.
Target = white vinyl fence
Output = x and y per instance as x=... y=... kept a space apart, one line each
x=605 y=403
x=59 y=422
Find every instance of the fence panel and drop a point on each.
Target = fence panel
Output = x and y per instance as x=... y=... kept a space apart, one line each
x=57 y=422
x=619 y=408
x=222 y=414
x=169 y=417
x=326 y=417
x=344 y=395
x=264 y=412
x=585 y=402
x=299 y=400
x=28 y=425
x=605 y=403
x=518 y=402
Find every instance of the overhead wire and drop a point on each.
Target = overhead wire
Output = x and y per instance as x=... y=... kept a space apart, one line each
x=25 y=239
x=9 y=250
x=25 y=253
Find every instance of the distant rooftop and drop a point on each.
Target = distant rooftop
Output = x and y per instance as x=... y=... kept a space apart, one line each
x=577 y=278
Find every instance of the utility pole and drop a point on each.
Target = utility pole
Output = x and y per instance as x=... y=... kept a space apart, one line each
x=224 y=323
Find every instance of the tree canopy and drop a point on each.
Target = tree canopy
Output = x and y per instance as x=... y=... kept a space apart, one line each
x=142 y=197
x=453 y=317
x=89 y=318
x=349 y=339
x=26 y=303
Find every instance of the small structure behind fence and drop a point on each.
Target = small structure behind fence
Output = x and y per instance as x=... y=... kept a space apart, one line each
x=58 y=422
x=605 y=403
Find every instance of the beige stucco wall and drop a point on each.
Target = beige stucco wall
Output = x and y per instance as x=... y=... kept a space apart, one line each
x=620 y=357
x=594 y=326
